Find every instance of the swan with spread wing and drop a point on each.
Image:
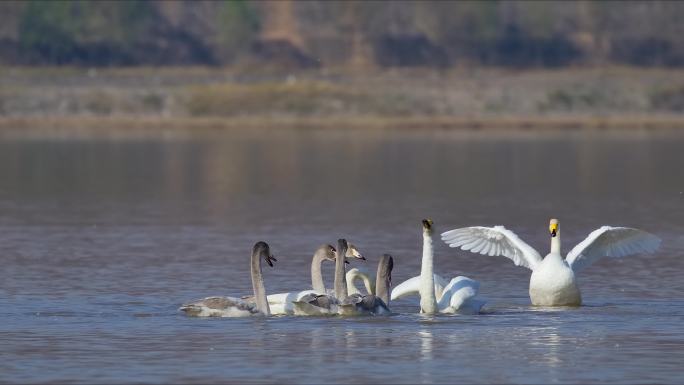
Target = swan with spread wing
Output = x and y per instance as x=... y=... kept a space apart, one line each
x=553 y=278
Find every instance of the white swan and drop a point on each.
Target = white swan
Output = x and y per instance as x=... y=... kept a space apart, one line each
x=236 y=307
x=281 y=303
x=436 y=295
x=553 y=279
x=372 y=304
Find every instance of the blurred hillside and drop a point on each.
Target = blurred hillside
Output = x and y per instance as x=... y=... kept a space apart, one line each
x=342 y=34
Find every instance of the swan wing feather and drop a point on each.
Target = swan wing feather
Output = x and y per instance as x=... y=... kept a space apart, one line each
x=613 y=242
x=458 y=291
x=493 y=241
x=412 y=287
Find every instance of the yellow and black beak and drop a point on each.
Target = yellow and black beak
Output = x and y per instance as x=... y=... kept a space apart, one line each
x=427 y=224
x=553 y=229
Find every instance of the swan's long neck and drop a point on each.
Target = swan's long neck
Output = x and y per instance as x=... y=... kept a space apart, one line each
x=383 y=279
x=351 y=286
x=340 y=282
x=428 y=301
x=556 y=243
x=316 y=275
x=370 y=286
x=258 y=285
x=353 y=276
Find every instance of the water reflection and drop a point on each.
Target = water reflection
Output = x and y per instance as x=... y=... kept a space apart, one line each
x=425 y=336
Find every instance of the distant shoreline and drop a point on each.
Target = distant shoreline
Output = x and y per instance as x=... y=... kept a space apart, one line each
x=162 y=100
x=132 y=125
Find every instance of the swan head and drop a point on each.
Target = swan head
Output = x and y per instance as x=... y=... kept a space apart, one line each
x=427 y=226
x=262 y=250
x=553 y=227
x=328 y=251
x=353 y=252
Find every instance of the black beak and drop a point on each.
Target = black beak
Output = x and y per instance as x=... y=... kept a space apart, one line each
x=345 y=261
x=270 y=259
x=553 y=233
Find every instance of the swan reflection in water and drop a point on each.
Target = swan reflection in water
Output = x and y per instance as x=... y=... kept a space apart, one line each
x=548 y=337
x=426 y=346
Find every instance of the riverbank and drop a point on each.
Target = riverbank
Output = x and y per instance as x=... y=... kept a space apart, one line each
x=131 y=126
x=179 y=99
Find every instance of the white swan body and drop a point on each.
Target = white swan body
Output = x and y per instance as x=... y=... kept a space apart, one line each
x=460 y=296
x=281 y=303
x=553 y=282
x=456 y=296
x=237 y=307
x=437 y=295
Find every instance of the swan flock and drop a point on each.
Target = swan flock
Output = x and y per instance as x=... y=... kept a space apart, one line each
x=552 y=282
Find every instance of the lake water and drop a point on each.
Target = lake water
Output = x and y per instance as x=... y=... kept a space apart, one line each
x=102 y=239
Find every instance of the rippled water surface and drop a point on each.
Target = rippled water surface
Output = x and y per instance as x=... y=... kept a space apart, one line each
x=101 y=241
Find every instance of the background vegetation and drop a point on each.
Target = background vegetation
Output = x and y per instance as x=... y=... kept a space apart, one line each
x=353 y=34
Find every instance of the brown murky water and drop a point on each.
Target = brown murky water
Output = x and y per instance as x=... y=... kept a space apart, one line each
x=102 y=240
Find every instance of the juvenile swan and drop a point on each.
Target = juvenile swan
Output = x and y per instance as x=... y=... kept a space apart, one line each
x=281 y=303
x=326 y=304
x=457 y=296
x=553 y=279
x=370 y=304
x=236 y=307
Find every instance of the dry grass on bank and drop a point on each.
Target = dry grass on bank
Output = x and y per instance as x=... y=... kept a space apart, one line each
x=131 y=125
x=70 y=100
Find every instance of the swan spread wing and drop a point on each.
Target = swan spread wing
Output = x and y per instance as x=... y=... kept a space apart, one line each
x=493 y=241
x=412 y=287
x=611 y=242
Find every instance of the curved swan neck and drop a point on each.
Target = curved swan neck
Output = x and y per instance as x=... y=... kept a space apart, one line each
x=556 y=243
x=258 y=284
x=353 y=276
x=351 y=286
x=316 y=275
x=428 y=301
x=340 y=281
x=370 y=286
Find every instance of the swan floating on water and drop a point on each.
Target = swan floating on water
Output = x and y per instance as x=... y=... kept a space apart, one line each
x=237 y=307
x=317 y=304
x=281 y=303
x=339 y=302
x=436 y=294
x=372 y=304
x=553 y=279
